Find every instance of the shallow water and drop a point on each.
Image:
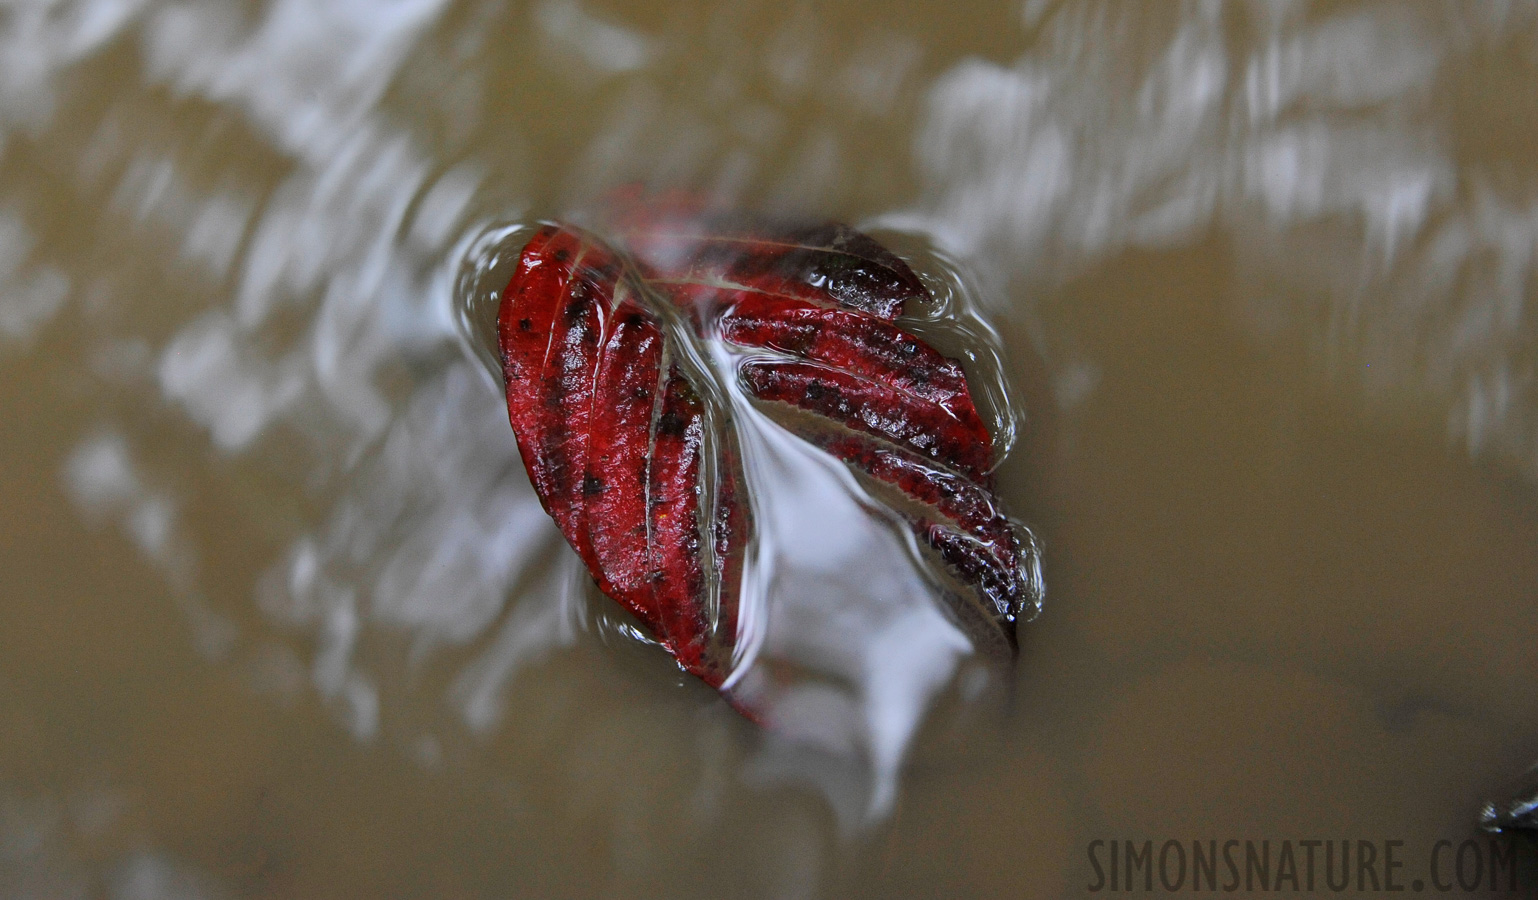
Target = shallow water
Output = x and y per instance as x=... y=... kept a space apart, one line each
x=283 y=617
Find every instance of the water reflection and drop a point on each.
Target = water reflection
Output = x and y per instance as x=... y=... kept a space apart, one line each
x=229 y=233
x=106 y=483
x=32 y=294
x=1325 y=139
x=39 y=857
x=435 y=528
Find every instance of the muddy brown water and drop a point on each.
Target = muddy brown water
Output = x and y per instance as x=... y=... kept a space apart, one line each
x=282 y=618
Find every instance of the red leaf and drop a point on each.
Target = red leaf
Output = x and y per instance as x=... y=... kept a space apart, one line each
x=612 y=415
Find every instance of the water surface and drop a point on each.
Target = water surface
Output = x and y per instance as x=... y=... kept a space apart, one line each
x=283 y=617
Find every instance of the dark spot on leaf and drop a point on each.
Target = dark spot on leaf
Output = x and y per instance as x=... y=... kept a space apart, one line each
x=672 y=425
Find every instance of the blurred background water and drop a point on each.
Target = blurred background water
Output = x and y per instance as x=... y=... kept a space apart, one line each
x=283 y=618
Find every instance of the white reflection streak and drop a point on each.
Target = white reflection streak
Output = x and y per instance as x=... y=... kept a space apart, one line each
x=225 y=384
x=992 y=124
x=834 y=592
x=104 y=481
x=434 y=529
x=310 y=74
x=1032 y=158
x=61 y=846
x=530 y=631
x=481 y=526
x=42 y=38
x=153 y=876
x=878 y=71
x=152 y=190
x=30 y=295
x=604 y=47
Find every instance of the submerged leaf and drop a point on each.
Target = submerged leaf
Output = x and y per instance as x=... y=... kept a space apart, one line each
x=609 y=398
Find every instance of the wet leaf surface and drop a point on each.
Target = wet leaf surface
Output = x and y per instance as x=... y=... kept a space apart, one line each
x=628 y=435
